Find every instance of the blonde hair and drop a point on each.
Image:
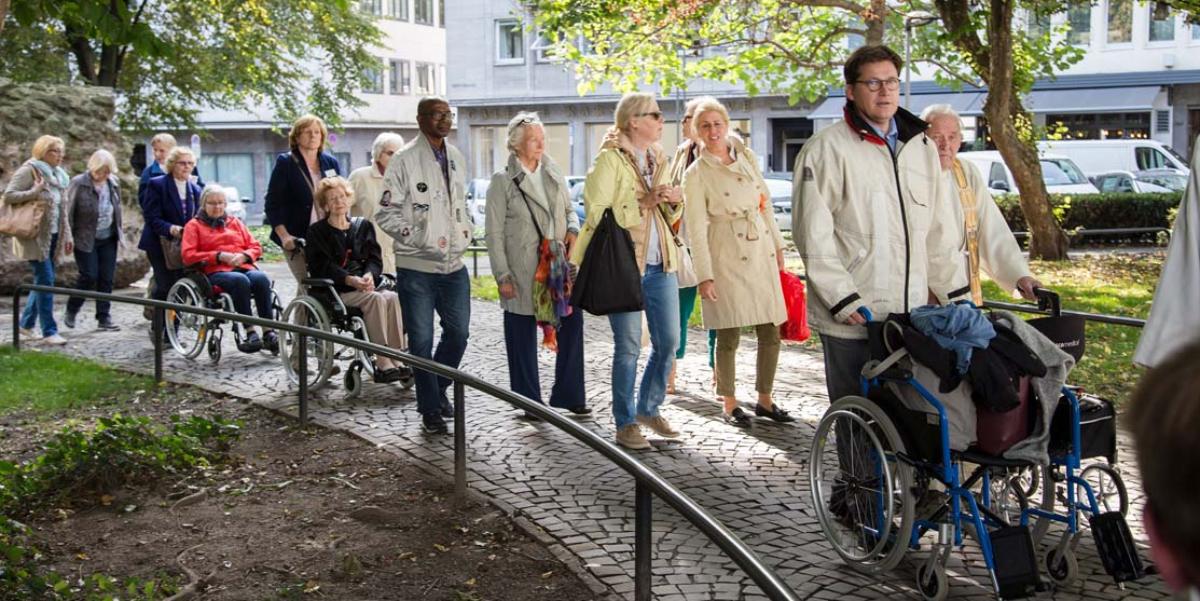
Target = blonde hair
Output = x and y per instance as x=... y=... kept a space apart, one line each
x=689 y=110
x=43 y=145
x=710 y=105
x=631 y=105
x=302 y=124
x=165 y=139
x=518 y=126
x=173 y=157
x=327 y=185
x=102 y=159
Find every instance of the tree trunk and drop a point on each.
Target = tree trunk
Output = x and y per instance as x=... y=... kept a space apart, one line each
x=3 y=13
x=876 y=22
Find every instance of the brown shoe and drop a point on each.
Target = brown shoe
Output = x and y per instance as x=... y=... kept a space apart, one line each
x=659 y=425
x=631 y=437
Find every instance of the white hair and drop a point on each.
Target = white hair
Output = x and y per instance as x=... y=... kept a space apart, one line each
x=102 y=159
x=211 y=190
x=382 y=141
x=934 y=111
x=517 y=126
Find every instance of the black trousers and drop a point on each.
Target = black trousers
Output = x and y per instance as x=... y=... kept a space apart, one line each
x=521 y=345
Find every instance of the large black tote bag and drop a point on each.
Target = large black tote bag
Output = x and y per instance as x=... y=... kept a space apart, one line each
x=609 y=280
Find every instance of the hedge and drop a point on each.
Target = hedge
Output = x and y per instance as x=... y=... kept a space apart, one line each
x=1100 y=211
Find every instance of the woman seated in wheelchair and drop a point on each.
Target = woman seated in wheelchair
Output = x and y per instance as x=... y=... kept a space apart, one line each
x=344 y=250
x=222 y=247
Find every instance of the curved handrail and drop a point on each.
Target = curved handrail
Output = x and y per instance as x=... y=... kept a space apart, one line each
x=648 y=481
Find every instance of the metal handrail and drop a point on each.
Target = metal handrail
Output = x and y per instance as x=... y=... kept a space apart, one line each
x=1096 y=317
x=647 y=480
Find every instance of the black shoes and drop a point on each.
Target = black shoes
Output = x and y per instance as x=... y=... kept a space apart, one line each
x=69 y=319
x=106 y=323
x=774 y=413
x=433 y=423
x=271 y=341
x=584 y=410
x=531 y=417
x=738 y=418
x=387 y=376
x=447 y=406
x=252 y=344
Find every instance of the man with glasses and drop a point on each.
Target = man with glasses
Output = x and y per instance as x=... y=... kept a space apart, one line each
x=424 y=210
x=870 y=218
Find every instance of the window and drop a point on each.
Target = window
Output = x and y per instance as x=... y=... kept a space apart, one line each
x=1037 y=25
x=401 y=77
x=398 y=9
x=510 y=43
x=423 y=12
x=1120 y=21
x=1162 y=122
x=541 y=49
x=1150 y=158
x=1196 y=32
x=997 y=178
x=1079 y=18
x=1162 y=22
x=231 y=170
x=426 y=79
x=442 y=14
x=374 y=77
x=371 y=7
x=343 y=159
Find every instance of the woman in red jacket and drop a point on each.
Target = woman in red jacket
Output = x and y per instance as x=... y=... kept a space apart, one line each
x=226 y=251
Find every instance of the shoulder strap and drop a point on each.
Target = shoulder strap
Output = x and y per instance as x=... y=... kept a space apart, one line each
x=529 y=208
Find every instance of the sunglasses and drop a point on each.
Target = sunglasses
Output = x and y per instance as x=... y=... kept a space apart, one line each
x=656 y=114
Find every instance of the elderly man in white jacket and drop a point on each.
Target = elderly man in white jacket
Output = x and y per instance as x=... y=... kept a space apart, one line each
x=984 y=238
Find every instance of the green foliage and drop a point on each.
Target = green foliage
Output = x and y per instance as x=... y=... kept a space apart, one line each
x=166 y=59
x=484 y=288
x=119 y=451
x=271 y=251
x=1100 y=211
x=49 y=382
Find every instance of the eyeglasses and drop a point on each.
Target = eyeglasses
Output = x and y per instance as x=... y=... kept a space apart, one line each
x=874 y=85
x=441 y=115
x=656 y=114
x=185 y=163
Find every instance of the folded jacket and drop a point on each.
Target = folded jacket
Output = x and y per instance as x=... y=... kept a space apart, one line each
x=960 y=327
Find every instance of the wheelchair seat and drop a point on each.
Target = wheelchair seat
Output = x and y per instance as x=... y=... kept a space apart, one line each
x=973 y=455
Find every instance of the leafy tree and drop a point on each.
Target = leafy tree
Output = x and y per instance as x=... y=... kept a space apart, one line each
x=167 y=58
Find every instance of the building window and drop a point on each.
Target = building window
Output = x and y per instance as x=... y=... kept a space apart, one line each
x=423 y=12
x=1037 y=25
x=398 y=9
x=1162 y=22
x=1079 y=18
x=510 y=43
x=1196 y=32
x=231 y=170
x=401 y=75
x=374 y=76
x=426 y=79
x=442 y=14
x=541 y=49
x=1120 y=21
x=371 y=7
x=1103 y=126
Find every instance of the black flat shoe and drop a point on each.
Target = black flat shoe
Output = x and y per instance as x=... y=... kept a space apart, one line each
x=738 y=419
x=387 y=376
x=527 y=416
x=271 y=341
x=774 y=413
x=252 y=343
x=585 y=410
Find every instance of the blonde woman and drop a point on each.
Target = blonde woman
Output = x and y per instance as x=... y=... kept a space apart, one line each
x=737 y=252
x=160 y=146
x=42 y=179
x=168 y=202
x=631 y=177
x=95 y=215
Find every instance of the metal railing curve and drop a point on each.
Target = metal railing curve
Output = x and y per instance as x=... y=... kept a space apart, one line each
x=648 y=482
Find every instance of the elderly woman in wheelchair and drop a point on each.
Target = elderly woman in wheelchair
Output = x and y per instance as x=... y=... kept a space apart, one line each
x=219 y=255
x=347 y=291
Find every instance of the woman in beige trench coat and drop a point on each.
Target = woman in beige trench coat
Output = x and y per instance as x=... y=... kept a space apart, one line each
x=737 y=252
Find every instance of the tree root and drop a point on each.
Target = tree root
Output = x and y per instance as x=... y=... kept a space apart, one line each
x=191 y=590
x=191 y=499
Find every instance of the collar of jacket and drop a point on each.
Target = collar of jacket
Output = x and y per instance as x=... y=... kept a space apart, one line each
x=620 y=141
x=213 y=222
x=515 y=170
x=737 y=149
x=908 y=125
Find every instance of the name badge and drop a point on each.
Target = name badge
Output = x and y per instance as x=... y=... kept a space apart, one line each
x=330 y=172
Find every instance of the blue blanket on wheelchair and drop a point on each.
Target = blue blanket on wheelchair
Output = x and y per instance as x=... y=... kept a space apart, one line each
x=960 y=327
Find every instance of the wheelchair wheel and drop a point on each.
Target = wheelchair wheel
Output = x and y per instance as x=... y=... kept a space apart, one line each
x=1062 y=569
x=861 y=490
x=306 y=311
x=1007 y=497
x=1108 y=487
x=276 y=305
x=353 y=380
x=186 y=331
x=359 y=331
x=214 y=345
x=932 y=582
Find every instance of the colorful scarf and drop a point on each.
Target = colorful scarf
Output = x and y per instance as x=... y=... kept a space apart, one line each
x=551 y=290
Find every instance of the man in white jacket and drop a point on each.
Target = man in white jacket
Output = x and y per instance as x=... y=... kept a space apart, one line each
x=870 y=219
x=982 y=234
x=424 y=210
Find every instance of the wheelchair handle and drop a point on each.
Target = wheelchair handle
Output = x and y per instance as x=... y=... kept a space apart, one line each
x=1048 y=299
x=866 y=313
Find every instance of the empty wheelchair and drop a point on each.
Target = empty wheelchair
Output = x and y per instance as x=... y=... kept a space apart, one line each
x=190 y=333
x=323 y=309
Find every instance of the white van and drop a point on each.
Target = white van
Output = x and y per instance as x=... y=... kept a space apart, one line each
x=1062 y=176
x=1101 y=156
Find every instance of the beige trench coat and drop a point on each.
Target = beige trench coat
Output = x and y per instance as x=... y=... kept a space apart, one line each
x=732 y=205
x=368 y=190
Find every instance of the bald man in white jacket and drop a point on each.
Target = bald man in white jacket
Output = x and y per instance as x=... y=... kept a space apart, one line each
x=986 y=242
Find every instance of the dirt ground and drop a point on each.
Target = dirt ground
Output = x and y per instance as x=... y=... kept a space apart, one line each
x=297 y=514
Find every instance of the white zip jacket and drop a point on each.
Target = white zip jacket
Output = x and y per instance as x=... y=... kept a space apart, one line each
x=429 y=224
x=999 y=254
x=874 y=230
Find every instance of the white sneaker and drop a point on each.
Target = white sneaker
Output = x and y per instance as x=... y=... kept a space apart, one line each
x=29 y=333
x=55 y=339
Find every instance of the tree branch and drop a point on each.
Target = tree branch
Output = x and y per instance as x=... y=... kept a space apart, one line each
x=950 y=70
x=137 y=18
x=85 y=58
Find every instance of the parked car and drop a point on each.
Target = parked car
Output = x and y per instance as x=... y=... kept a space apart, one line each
x=577 y=199
x=477 y=203
x=1124 y=181
x=1061 y=174
x=1170 y=179
x=1102 y=156
x=574 y=179
x=780 y=188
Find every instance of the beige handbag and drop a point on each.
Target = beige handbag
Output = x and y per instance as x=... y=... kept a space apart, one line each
x=24 y=220
x=686 y=274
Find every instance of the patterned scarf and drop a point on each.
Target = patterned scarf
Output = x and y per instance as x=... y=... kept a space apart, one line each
x=551 y=290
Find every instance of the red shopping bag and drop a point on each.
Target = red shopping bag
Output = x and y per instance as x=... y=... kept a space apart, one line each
x=796 y=327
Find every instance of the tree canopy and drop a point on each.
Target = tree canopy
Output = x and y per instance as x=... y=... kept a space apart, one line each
x=166 y=59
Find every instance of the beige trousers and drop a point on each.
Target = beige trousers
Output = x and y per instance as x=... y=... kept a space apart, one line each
x=767 y=360
x=381 y=312
x=298 y=265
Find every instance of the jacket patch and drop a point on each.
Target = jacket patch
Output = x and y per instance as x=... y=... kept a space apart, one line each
x=421 y=187
x=386 y=199
x=808 y=175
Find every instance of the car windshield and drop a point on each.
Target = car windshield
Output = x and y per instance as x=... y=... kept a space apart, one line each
x=1169 y=181
x=1178 y=157
x=779 y=188
x=1061 y=172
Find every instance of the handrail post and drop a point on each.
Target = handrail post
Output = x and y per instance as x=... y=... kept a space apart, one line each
x=460 y=441
x=642 y=528
x=157 y=323
x=475 y=264
x=302 y=373
x=17 y=319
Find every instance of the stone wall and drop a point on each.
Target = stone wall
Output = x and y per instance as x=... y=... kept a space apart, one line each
x=83 y=117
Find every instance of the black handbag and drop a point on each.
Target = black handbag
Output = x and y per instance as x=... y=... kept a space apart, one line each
x=609 y=280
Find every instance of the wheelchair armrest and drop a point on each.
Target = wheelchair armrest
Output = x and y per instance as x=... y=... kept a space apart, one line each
x=197 y=267
x=311 y=282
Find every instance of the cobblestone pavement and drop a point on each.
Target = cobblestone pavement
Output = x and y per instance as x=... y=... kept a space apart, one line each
x=755 y=481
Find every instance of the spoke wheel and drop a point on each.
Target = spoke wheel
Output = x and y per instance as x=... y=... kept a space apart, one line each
x=186 y=331
x=306 y=311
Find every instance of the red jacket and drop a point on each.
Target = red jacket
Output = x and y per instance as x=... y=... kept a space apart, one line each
x=201 y=243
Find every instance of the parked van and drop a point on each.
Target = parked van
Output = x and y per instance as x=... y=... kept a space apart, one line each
x=1101 y=156
x=1061 y=174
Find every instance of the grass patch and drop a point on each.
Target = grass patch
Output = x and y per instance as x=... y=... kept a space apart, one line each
x=1111 y=284
x=46 y=382
x=484 y=288
x=271 y=251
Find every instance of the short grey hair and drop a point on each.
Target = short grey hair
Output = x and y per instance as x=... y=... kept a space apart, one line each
x=517 y=126
x=211 y=190
x=934 y=111
x=102 y=159
x=382 y=141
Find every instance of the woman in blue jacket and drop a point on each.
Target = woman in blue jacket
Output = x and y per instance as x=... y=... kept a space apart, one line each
x=168 y=202
x=289 y=204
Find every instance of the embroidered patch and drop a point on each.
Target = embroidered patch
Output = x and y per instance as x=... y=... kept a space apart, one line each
x=421 y=187
x=386 y=199
x=807 y=175
x=452 y=167
x=404 y=233
x=442 y=242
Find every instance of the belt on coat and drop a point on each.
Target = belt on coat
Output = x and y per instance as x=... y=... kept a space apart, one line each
x=750 y=218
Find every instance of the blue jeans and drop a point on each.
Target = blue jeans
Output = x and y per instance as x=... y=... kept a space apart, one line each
x=661 y=293
x=421 y=295
x=96 y=269
x=40 y=306
x=241 y=285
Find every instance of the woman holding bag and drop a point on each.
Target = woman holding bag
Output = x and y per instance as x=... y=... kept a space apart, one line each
x=737 y=252
x=42 y=179
x=631 y=178
x=528 y=203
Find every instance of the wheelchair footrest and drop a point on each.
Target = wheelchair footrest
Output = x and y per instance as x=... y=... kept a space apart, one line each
x=1114 y=544
x=1016 y=562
